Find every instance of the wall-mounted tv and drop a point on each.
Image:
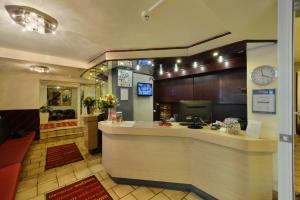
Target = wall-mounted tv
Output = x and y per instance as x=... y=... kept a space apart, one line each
x=144 y=89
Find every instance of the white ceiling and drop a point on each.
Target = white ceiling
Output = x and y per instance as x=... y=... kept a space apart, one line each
x=87 y=28
x=24 y=66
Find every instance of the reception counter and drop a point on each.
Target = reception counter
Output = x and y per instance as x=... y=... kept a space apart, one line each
x=209 y=163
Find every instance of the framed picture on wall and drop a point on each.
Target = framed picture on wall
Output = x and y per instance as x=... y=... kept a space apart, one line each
x=124 y=78
x=264 y=101
x=59 y=97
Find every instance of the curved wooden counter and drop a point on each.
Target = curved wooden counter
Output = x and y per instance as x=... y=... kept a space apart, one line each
x=224 y=166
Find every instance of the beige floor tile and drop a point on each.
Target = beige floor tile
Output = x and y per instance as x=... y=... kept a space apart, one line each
x=143 y=193
x=174 y=194
x=40 y=197
x=26 y=194
x=96 y=168
x=108 y=183
x=160 y=196
x=83 y=173
x=62 y=171
x=98 y=175
x=122 y=190
x=79 y=165
x=193 y=196
x=113 y=194
x=42 y=178
x=66 y=179
x=103 y=174
x=156 y=190
x=128 y=197
x=47 y=186
x=27 y=184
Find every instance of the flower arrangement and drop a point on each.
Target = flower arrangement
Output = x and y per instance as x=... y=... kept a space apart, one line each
x=89 y=102
x=108 y=101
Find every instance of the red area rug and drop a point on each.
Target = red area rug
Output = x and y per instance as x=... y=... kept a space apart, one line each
x=58 y=124
x=87 y=189
x=62 y=155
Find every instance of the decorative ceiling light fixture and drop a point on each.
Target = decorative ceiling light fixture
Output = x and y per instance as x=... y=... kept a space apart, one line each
x=178 y=61
x=32 y=19
x=40 y=69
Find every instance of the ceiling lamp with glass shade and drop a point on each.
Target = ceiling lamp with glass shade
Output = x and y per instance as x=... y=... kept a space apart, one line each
x=32 y=19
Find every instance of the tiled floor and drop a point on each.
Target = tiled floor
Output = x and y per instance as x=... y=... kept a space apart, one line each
x=36 y=182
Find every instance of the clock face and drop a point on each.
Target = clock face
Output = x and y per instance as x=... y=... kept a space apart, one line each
x=264 y=75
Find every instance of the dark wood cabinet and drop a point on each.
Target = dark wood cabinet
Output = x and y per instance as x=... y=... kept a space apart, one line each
x=226 y=90
x=232 y=88
x=174 y=90
x=207 y=88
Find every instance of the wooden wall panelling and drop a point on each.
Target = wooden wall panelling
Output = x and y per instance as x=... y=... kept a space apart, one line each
x=207 y=88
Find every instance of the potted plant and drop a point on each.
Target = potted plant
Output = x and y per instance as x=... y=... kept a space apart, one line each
x=89 y=103
x=44 y=114
x=106 y=103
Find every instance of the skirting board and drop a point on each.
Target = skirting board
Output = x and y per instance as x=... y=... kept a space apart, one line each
x=166 y=185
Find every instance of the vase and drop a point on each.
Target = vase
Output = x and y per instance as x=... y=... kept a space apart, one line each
x=89 y=109
x=108 y=114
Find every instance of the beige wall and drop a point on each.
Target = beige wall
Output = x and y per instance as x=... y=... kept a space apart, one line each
x=22 y=90
x=263 y=54
x=142 y=106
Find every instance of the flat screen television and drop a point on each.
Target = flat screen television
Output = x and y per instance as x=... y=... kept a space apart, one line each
x=144 y=89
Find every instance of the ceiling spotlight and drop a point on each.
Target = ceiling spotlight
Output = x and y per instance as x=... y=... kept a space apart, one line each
x=40 y=69
x=169 y=74
x=202 y=68
x=178 y=61
x=149 y=62
x=176 y=68
x=226 y=63
x=53 y=32
x=183 y=72
x=24 y=29
x=138 y=67
x=91 y=73
x=160 y=69
x=220 y=59
x=58 y=87
x=215 y=54
x=32 y=19
x=195 y=64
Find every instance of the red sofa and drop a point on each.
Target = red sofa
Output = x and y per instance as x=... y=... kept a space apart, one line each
x=12 y=153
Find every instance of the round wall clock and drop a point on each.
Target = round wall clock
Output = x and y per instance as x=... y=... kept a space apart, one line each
x=264 y=75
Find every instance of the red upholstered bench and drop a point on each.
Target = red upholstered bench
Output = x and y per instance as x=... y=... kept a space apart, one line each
x=9 y=176
x=12 y=153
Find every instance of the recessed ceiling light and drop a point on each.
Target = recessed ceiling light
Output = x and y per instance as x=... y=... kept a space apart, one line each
x=138 y=67
x=176 y=68
x=195 y=64
x=178 y=60
x=226 y=63
x=215 y=54
x=202 y=68
x=160 y=69
x=169 y=74
x=220 y=59
x=57 y=87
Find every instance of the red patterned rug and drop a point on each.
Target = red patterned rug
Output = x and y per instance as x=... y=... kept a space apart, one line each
x=57 y=124
x=87 y=189
x=62 y=155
